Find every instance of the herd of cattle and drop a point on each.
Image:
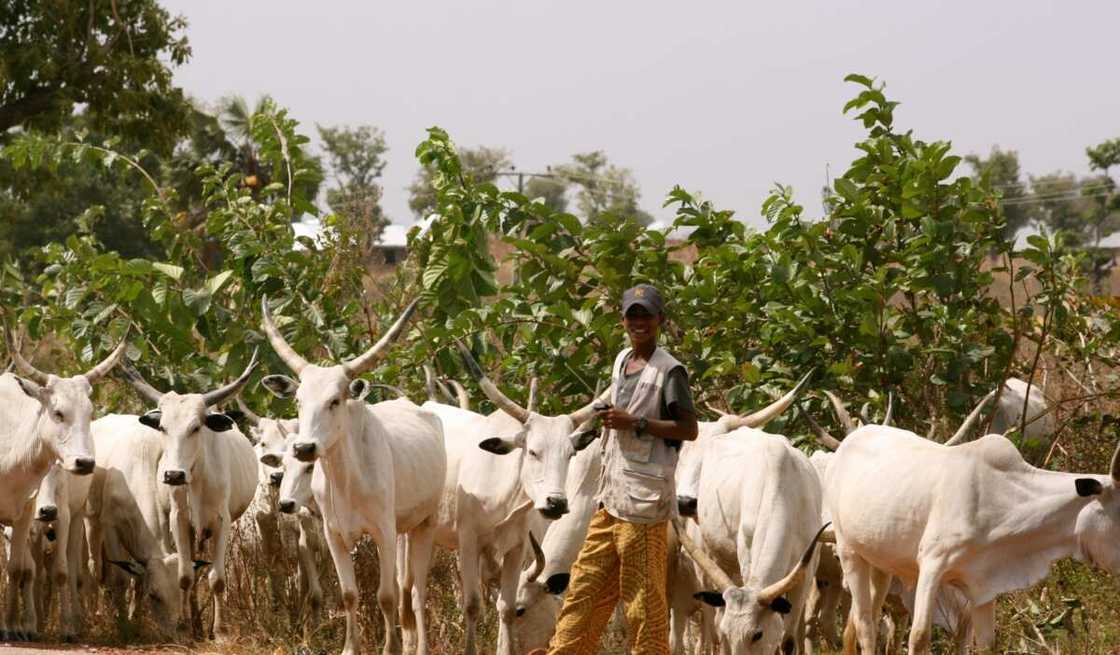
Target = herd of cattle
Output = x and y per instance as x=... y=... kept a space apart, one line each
x=144 y=505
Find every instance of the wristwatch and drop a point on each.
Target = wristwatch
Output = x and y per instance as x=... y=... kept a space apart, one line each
x=641 y=426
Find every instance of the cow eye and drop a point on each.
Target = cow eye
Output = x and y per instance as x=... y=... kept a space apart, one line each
x=334 y=403
x=194 y=430
x=58 y=416
x=757 y=636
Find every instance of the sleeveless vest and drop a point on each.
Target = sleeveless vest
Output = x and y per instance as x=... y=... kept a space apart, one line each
x=638 y=482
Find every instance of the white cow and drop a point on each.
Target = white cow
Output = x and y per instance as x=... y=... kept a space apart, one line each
x=43 y=419
x=383 y=469
x=758 y=510
x=976 y=517
x=211 y=470
x=501 y=468
x=1008 y=415
x=281 y=523
x=59 y=548
x=129 y=527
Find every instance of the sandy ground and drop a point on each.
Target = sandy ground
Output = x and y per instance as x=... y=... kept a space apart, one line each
x=55 y=649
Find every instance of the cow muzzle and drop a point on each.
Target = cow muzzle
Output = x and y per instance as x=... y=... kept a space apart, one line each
x=686 y=506
x=554 y=507
x=175 y=478
x=287 y=506
x=304 y=451
x=47 y=513
x=83 y=466
x=275 y=478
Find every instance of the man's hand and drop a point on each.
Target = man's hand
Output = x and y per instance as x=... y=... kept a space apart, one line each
x=618 y=419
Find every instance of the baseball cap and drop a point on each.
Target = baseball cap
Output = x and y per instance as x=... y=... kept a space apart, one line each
x=645 y=295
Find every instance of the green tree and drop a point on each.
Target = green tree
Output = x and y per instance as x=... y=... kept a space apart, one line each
x=1001 y=171
x=1057 y=202
x=112 y=59
x=603 y=187
x=479 y=165
x=357 y=158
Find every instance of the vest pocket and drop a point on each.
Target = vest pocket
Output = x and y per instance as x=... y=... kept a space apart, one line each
x=635 y=448
x=647 y=493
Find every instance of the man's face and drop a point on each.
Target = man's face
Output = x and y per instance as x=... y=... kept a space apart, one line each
x=641 y=325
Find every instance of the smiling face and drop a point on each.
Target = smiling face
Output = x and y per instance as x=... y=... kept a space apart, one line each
x=641 y=326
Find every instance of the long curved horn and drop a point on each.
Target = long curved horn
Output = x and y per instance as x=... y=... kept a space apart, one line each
x=585 y=413
x=841 y=413
x=538 y=558
x=24 y=366
x=497 y=397
x=865 y=414
x=533 y=383
x=250 y=415
x=716 y=410
x=890 y=409
x=107 y=364
x=823 y=437
x=216 y=396
x=461 y=394
x=970 y=421
x=430 y=383
x=772 y=411
x=291 y=358
x=1114 y=469
x=133 y=377
x=715 y=574
x=388 y=387
x=369 y=358
x=794 y=577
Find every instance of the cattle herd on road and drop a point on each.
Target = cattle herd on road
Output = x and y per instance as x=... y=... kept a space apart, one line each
x=144 y=506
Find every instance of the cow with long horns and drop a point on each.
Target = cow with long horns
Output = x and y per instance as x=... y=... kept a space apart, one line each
x=382 y=469
x=44 y=418
x=759 y=508
x=975 y=517
x=210 y=467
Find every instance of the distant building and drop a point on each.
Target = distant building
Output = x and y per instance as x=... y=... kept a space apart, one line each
x=393 y=246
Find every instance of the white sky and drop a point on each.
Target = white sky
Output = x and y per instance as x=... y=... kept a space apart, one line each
x=724 y=98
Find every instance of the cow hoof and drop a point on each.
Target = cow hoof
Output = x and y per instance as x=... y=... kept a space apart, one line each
x=32 y=636
x=5 y=635
x=69 y=638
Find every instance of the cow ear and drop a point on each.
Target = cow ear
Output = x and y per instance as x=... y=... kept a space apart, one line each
x=131 y=568
x=281 y=386
x=781 y=605
x=1088 y=487
x=582 y=440
x=219 y=422
x=31 y=389
x=710 y=598
x=152 y=419
x=503 y=445
x=557 y=583
x=359 y=389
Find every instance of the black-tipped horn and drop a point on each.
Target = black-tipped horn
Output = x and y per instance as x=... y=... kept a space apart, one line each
x=133 y=378
x=774 y=409
x=369 y=358
x=216 y=396
x=538 y=558
x=841 y=413
x=786 y=584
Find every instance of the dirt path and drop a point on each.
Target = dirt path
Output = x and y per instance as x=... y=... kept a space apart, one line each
x=56 y=649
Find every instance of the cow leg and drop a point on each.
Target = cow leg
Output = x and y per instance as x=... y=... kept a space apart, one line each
x=217 y=577
x=984 y=626
x=21 y=578
x=309 y=569
x=861 y=620
x=271 y=547
x=348 y=586
x=386 y=540
x=925 y=600
x=407 y=612
x=826 y=613
x=507 y=597
x=469 y=563
x=420 y=543
x=181 y=535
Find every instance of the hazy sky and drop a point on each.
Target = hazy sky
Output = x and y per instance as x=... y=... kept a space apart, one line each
x=725 y=98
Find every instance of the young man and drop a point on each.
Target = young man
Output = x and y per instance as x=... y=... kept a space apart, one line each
x=624 y=556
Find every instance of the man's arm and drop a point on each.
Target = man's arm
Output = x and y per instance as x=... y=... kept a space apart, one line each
x=678 y=400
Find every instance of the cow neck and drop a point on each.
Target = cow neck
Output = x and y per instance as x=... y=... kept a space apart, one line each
x=23 y=449
x=339 y=464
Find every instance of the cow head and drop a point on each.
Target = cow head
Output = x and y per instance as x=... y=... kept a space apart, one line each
x=160 y=588
x=692 y=453
x=186 y=421
x=547 y=443
x=1098 y=523
x=751 y=621
x=65 y=409
x=295 y=488
x=328 y=398
x=532 y=589
x=269 y=437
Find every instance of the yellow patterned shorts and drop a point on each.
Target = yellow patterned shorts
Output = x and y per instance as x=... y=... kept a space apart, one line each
x=619 y=561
